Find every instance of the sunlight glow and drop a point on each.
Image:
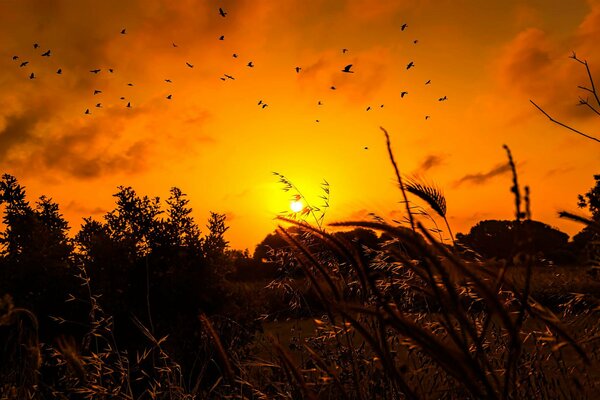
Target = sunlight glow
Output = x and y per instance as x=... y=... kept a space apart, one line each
x=296 y=206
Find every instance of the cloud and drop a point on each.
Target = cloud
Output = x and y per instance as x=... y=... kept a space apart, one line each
x=429 y=162
x=481 y=178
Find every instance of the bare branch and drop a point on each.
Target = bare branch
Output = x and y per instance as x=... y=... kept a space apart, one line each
x=563 y=125
x=585 y=102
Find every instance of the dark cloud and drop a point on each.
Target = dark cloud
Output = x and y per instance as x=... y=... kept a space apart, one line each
x=430 y=161
x=480 y=178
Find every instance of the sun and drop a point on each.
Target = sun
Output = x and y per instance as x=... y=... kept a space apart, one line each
x=296 y=206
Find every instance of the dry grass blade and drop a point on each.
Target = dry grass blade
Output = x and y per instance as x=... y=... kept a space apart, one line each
x=593 y=225
x=291 y=367
x=219 y=346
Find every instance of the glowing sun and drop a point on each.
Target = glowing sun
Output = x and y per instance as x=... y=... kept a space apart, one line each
x=296 y=206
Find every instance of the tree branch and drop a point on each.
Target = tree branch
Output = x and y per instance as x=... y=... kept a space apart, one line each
x=563 y=125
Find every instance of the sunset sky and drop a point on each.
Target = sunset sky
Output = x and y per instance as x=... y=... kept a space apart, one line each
x=213 y=140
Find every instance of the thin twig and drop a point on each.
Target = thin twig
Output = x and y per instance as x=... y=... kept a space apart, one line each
x=563 y=125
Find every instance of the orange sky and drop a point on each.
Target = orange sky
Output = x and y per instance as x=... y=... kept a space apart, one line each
x=216 y=143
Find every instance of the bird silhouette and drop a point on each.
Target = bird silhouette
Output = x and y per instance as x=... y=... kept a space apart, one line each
x=123 y=31
x=404 y=26
x=410 y=65
x=24 y=63
x=298 y=69
x=111 y=70
x=319 y=103
x=443 y=98
x=32 y=76
x=99 y=105
x=222 y=13
x=250 y=64
x=317 y=120
x=428 y=82
x=264 y=105
x=222 y=37
x=234 y=55
x=332 y=88
x=344 y=51
x=95 y=71
x=415 y=41
x=368 y=108
x=130 y=84
x=46 y=54
x=35 y=45
x=366 y=148
x=169 y=97
x=97 y=92
x=15 y=57
x=168 y=81
x=128 y=105
x=347 y=69
x=59 y=71
x=403 y=94
x=381 y=106
x=189 y=65
x=426 y=117
x=259 y=102
x=174 y=45
x=87 y=111
x=223 y=79
x=122 y=98
x=229 y=77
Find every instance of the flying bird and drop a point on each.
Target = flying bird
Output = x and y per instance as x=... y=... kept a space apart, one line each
x=222 y=13
x=428 y=82
x=97 y=92
x=403 y=94
x=415 y=41
x=264 y=105
x=410 y=65
x=259 y=102
x=99 y=105
x=368 y=108
x=426 y=117
x=130 y=84
x=168 y=81
x=332 y=88
x=123 y=31
x=174 y=45
x=250 y=64
x=35 y=45
x=189 y=65
x=15 y=57
x=404 y=26
x=347 y=69
x=46 y=54
x=169 y=97
x=443 y=98
x=222 y=37
x=59 y=71
x=234 y=55
x=24 y=63
x=122 y=98
x=111 y=70
x=223 y=79
x=95 y=71
x=344 y=51
x=319 y=103
x=87 y=111
x=229 y=77
x=32 y=76
x=298 y=69
x=366 y=148
x=317 y=120
x=128 y=105
x=381 y=106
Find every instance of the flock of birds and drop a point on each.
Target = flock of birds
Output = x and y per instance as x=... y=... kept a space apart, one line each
x=348 y=69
